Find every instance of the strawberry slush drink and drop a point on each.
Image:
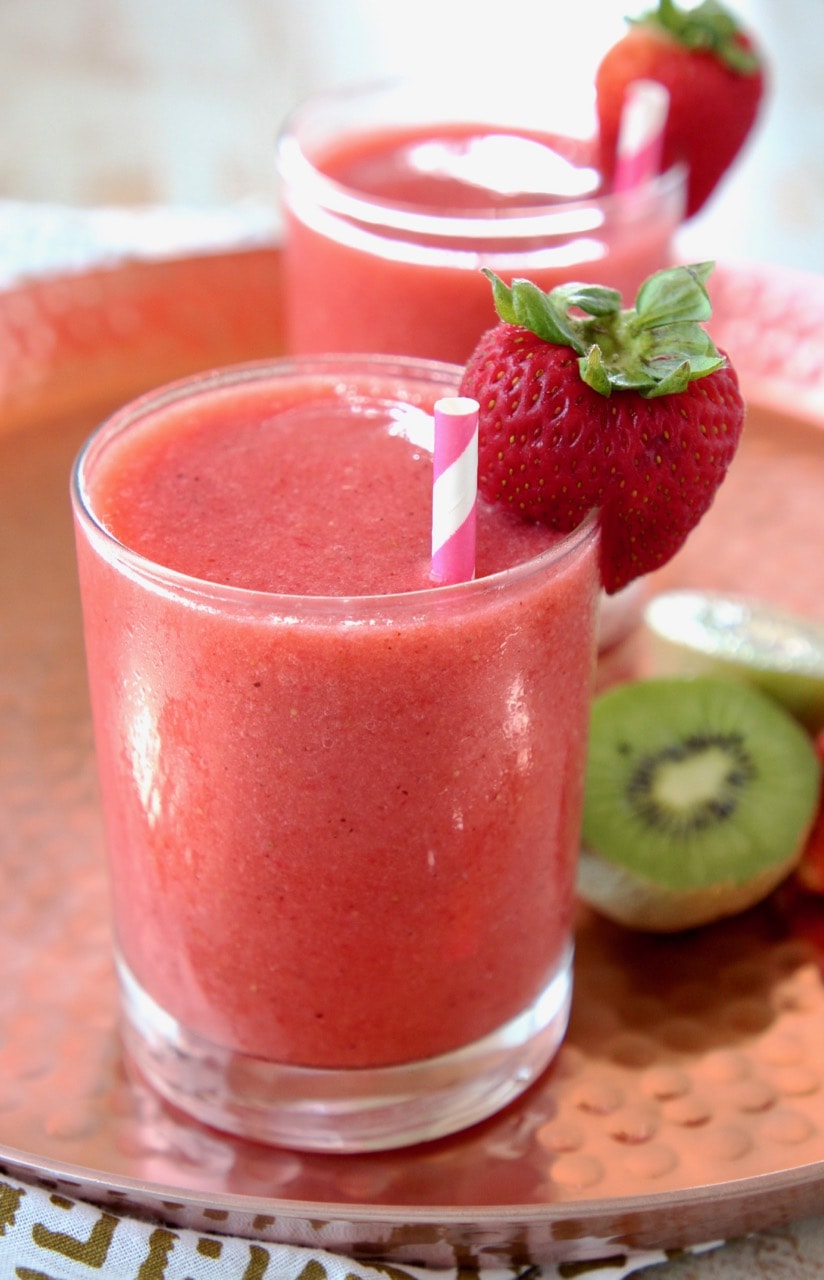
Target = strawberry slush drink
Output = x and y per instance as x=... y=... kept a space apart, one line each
x=342 y=806
x=387 y=226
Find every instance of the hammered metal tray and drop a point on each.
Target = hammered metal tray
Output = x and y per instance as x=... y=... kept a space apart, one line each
x=688 y=1101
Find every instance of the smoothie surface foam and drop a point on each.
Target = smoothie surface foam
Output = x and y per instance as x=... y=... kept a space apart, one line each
x=319 y=498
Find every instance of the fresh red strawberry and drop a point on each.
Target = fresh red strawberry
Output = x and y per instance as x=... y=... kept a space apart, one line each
x=715 y=77
x=810 y=870
x=584 y=405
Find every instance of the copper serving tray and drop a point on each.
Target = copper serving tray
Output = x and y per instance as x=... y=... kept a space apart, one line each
x=688 y=1102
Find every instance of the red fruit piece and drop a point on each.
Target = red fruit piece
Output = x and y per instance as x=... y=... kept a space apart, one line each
x=634 y=412
x=810 y=870
x=716 y=81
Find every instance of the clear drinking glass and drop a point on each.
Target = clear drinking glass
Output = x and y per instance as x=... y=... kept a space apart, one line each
x=383 y=250
x=342 y=830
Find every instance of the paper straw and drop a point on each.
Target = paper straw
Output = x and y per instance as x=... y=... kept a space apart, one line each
x=641 y=134
x=454 y=490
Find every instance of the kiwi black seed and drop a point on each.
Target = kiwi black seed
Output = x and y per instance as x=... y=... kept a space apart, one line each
x=699 y=795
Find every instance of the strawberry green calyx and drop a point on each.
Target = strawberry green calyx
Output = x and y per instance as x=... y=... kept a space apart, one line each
x=656 y=348
x=708 y=28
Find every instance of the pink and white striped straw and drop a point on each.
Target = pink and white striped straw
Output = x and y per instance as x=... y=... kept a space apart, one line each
x=641 y=134
x=454 y=490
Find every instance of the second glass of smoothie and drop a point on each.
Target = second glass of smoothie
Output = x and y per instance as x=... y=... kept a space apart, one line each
x=341 y=805
x=395 y=195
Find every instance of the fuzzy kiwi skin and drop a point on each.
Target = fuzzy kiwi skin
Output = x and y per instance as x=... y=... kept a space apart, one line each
x=637 y=900
x=631 y=900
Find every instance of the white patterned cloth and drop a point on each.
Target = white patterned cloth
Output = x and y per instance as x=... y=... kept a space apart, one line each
x=45 y=1235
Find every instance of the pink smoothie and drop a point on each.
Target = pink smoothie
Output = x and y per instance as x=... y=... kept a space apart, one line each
x=376 y=276
x=342 y=833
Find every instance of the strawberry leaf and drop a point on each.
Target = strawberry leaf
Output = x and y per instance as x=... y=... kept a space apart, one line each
x=676 y=379
x=593 y=373
x=706 y=28
x=535 y=310
x=678 y=294
x=668 y=347
x=526 y=305
x=654 y=349
x=594 y=299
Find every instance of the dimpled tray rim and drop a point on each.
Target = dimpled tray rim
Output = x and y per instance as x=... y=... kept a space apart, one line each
x=686 y=1104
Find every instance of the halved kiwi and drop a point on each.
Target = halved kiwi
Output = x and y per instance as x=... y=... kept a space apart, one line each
x=699 y=795
x=704 y=633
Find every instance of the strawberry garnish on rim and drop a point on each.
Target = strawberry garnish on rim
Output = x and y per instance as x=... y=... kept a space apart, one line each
x=585 y=405
x=715 y=77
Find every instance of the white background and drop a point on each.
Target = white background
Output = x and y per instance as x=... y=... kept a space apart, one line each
x=179 y=101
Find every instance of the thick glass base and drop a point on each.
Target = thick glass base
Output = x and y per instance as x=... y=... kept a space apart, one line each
x=362 y=1109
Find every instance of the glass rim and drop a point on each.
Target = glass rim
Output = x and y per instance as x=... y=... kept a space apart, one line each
x=283 y=606
x=566 y=216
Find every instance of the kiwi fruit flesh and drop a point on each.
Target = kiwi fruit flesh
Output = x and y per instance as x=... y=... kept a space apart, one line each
x=699 y=796
x=703 y=633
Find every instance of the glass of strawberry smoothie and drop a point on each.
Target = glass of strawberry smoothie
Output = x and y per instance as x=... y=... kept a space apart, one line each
x=395 y=195
x=341 y=804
